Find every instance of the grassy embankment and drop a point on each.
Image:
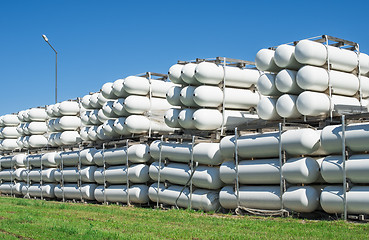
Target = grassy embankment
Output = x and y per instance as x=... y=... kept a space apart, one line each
x=36 y=219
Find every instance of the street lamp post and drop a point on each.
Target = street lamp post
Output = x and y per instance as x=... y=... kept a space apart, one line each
x=56 y=67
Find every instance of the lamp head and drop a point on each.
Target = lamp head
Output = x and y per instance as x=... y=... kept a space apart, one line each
x=45 y=38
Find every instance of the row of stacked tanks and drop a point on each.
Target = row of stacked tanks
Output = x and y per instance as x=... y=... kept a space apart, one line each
x=299 y=169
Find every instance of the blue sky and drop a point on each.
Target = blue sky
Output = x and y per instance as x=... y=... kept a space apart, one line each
x=101 y=41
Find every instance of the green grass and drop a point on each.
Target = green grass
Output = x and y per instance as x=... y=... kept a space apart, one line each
x=36 y=219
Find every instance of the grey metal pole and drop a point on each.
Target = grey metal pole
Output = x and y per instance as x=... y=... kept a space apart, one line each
x=56 y=67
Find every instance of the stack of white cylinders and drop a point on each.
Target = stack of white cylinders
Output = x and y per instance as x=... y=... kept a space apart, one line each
x=134 y=105
x=201 y=97
x=295 y=82
x=114 y=172
x=174 y=168
x=64 y=123
x=90 y=117
x=11 y=170
x=32 y=128
x=8 y=132
x=259 y=171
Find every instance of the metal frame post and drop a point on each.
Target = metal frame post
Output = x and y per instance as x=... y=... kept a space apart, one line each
x=344 y=182
x=11 y=176
x=127 y=172
x=104 y=173
x=28 y=171
x=159 y=170
x=236 y=165
x=192 y=170
x=329 y=77
x=79 y=171
x=62 y=176
x=223 y=101
x=41 y=180
x=281 y=182
x=150 y=99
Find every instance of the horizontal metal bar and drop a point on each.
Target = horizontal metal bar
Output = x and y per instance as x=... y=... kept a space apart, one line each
x=346 y=42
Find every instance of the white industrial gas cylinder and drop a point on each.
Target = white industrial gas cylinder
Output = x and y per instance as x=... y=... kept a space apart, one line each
x=356 y=168
x=94 y=101
x=141 y=104
x=107 y=109
x=315 y=104
x=118 y=107
x=259 y=171
x=188 y=74
x=10 y=120
x=356 y=137
x=185 y=119
x=101 y=99
x=9 y=144
x=73 y=174
x=92 y=133
x=141 y=86
x=331 y=200
x=138 y=153
x=256 y=197
x=107 y=91
x=314 y=53
x=284 y=57
x=20 y=117
x=118 y=89
x=203 y=153
x=115 y=156
x=266 y=108
x=108 y=128
x=37 y=190
x=73 y=191
x=266 y=85
x=10 y=132
x=186 y=96
x=294 y=142
x=171 y=118
x=285 y=82
x=212 y=96
x=85 y=102
x=264 y=61
x=36 y=128
x=286 y=106
x=179 y=173
x=137 y=173
x=202 y=199
x=175 y=73
x=69 y=123
x=93 y=117
x=37 y=141
x=69 y=138
x=303 y=170
x=118 y=193
x=142 y=124
x=213 y=74
x=69 y=108
x=11 y=188
x=301 y=198
x=72 y=158
x=34 y=175
x=120 y=127
x=37 y=114
x=173 y=96
x=318 y=79
x=211 y=119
